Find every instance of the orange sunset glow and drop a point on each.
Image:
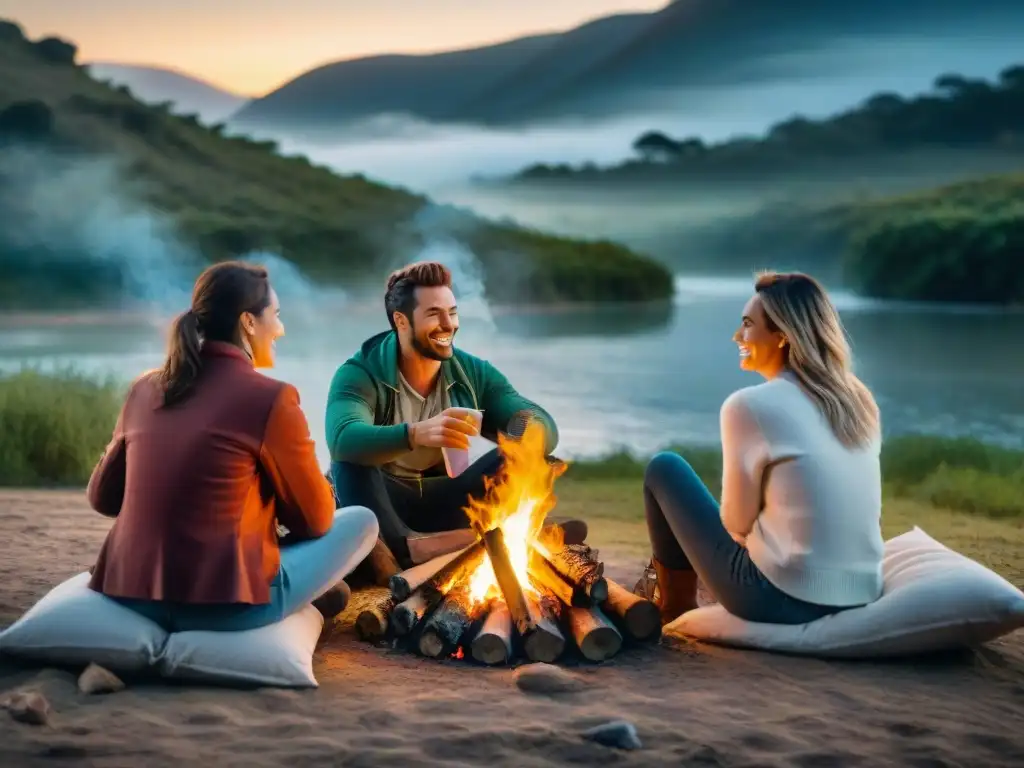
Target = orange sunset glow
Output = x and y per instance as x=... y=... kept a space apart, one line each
x=252 y=47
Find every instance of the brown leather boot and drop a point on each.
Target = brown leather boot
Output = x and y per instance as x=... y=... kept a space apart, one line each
x=677 y=591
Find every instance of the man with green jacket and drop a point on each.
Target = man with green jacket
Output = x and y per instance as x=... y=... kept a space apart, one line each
x=403 y=397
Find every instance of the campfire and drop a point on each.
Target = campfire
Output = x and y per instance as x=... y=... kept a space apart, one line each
x=519 y=590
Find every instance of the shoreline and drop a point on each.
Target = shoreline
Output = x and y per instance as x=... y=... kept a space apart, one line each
x=99 y=316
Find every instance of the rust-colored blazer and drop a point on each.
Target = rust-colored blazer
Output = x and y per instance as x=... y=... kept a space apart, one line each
x=197 y=488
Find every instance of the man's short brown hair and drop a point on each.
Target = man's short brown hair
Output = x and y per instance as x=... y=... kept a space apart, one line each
x=402 y=284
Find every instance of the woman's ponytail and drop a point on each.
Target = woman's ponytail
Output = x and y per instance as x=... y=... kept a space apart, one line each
x=184 y=361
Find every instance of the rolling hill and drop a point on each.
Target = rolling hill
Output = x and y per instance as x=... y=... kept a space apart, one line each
x=612 y=65
x=93 y=183
x=187 y=94
x=431 y=87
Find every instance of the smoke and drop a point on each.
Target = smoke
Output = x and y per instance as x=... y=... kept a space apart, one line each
x=76 y=219
x=80 y=224
x=436 y=225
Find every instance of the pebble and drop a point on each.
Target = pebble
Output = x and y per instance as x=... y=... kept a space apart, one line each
x=96 y=679
x=28 y=707
x=620 y=734
x=546 y=678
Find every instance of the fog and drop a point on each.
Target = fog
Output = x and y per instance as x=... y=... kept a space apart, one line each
x=83 y=213
x=77 y=226
x=440 y=158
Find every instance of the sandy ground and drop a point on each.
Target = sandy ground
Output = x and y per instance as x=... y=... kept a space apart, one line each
x=691 y=704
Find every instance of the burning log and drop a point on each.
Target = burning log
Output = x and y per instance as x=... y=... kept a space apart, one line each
x=431 y=589
x=372 y=621
x=408 y=581
x=493 y=643
x=494 y=542
x=447 y=624
x=639 y=618
x=407 y=614
x=595 y=636
x=576 y=564
x=543 y=640
x=544 y=573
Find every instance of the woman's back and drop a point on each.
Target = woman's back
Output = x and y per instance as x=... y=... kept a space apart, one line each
x=816 y=534
x=197 y=487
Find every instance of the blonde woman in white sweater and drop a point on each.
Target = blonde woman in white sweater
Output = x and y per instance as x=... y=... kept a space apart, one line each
x=797 y=536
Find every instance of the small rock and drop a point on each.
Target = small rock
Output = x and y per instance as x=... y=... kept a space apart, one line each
x=27 y=707
x=546 y=678
x=96 y=679
x=620 y=734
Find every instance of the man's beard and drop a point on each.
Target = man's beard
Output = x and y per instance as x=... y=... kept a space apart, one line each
x=425 y=349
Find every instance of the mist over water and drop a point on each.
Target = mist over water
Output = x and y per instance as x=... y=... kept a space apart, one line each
x=439 y=159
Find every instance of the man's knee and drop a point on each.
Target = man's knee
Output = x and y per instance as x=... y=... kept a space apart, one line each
x=352 y=483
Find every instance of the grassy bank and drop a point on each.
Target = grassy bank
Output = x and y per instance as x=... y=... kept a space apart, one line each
x=53 y=428
x=965 y=493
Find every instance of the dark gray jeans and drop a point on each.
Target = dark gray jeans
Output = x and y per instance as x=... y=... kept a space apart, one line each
x=687 y=533
x=405 y=506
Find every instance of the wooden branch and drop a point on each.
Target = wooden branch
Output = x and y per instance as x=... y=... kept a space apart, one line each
x=426 y=546
x=462 y=567
x=578 y=565
x=637 y=617
x=383 y=564
x=408 y=581
x=372 y=621
x=505 y=575
x=544 y=574
x=493 y=643
x=595 y=636
x=407 y=614
x=543 y=640
x=375 y=570
x=447 y=624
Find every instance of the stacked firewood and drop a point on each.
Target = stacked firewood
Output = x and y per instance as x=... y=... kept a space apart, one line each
x=429 y=609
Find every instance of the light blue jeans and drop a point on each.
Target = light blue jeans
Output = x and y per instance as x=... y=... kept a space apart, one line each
x=308 y=569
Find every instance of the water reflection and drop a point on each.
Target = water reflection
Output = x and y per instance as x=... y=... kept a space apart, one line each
x=607 y=322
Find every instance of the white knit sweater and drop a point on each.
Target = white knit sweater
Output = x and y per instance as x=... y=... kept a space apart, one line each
x=807 y=508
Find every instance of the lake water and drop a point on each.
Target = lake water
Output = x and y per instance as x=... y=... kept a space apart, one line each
x=622 y=377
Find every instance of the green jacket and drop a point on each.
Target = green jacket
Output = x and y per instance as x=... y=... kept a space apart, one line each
x=361 y=402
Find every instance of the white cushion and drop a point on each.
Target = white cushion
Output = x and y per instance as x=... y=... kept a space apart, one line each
x=279 y=654
x=73 y=625
x=933 y=599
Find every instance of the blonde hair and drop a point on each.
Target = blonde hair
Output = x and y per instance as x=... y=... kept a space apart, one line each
x=818 y=354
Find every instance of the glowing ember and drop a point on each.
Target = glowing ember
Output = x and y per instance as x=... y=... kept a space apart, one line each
x=517 y=500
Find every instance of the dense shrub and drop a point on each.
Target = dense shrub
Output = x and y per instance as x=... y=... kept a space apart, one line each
x=53 y=428
x=942 y=255
x=26 y=121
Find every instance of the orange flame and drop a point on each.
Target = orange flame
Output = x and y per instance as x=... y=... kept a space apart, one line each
x=518 y=500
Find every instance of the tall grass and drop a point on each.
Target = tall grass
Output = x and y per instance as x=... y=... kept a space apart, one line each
x=53 y=428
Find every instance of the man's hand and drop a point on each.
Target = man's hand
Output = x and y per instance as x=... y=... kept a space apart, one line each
x=451 y=428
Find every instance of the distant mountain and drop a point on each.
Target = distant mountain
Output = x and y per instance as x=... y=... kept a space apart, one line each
x=189 y=94
x=431 y=86
x=712 y=42
x=614 y=64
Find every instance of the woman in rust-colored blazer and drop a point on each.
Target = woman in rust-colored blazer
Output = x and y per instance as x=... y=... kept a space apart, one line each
x=208 y=456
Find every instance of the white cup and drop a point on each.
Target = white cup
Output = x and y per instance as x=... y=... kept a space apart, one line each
x=456 y=460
